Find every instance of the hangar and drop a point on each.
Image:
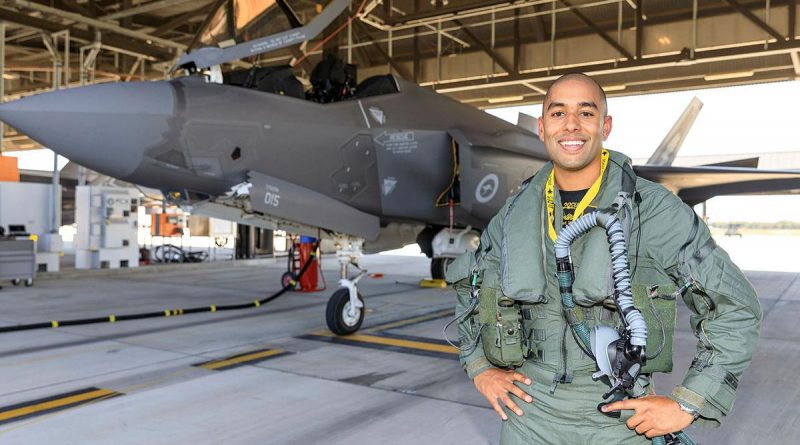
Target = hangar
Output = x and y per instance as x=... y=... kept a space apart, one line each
x=204 y=377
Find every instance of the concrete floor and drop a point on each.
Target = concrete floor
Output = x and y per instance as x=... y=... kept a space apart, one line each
x=139 y=382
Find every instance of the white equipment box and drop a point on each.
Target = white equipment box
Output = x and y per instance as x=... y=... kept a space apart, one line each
x=107 y=227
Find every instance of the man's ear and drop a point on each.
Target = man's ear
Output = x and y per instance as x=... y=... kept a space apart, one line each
x=540 y=126
x=607 y=124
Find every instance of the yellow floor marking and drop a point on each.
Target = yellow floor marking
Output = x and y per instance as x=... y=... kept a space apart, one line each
x=243 y=358
x=55 y=404
x=408 y=321
x=401 y=343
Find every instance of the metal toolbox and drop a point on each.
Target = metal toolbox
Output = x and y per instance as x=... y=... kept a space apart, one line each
x=17 y=260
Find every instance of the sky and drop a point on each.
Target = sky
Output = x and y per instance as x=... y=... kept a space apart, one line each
x=735 y=120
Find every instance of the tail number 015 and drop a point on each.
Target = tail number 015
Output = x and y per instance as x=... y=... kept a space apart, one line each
x=272 y=197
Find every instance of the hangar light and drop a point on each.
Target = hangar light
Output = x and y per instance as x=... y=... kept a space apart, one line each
x=725 y=76
x=498 y=100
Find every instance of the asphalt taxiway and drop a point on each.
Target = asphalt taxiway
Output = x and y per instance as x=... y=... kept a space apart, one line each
x=275 y=375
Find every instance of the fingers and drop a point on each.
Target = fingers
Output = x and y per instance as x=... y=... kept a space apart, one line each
x=622 y=404
x=519 y=377
x=641 y=425
x=511 y=405
x=498 y=409
x=635 y=421
x=644 y=427
x=496 y=385
x=517 y=391
x=653 y=433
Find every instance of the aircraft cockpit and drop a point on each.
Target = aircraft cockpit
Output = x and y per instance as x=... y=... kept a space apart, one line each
x=332 y=80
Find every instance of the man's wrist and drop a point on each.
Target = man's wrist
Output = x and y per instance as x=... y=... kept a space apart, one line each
x=688 y=410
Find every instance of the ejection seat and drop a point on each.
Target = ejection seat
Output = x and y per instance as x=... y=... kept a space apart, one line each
x=271 y=79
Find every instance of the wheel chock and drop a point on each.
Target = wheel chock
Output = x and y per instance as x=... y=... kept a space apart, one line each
x=436 y=283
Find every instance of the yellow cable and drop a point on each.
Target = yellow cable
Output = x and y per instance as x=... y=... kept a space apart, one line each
x=438 y=202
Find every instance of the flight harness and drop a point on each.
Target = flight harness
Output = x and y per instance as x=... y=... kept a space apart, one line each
x=620 y=355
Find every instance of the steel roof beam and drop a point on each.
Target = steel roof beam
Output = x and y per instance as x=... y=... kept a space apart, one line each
x=77 y=7
x=507 y=67
x=440 y=12
x=543 y=75
x=99 y=24
x=753 y=18
x=401 y=70
x=597 y=30
x=217 y=4
x=82 y=34
x=181 y=20
x=639 y=23
x=141 y=9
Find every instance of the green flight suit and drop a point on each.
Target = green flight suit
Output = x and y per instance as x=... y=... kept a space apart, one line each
x=669 y=246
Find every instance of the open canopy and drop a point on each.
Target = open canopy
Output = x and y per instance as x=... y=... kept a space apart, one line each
x=237 y=21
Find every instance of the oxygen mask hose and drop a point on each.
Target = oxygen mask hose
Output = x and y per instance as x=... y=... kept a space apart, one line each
x=619 y=355
x=623 y=295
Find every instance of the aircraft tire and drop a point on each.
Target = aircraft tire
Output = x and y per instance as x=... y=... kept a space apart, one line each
x=439 y=267
x=336 y=314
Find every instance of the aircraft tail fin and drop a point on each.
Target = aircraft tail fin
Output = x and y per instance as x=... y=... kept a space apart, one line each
x=527 y=122
x=668 y=148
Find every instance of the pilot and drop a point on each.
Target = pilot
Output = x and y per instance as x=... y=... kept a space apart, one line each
x=551 y=397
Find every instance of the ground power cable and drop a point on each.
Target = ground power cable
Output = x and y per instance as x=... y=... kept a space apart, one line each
x=167 y=312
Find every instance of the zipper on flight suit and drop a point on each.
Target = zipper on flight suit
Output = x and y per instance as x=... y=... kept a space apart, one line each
x=565 y=376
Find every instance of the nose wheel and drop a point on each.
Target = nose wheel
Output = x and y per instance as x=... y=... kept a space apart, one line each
x=342 y=315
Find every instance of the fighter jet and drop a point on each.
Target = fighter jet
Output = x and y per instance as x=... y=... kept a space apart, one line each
x=376 y=164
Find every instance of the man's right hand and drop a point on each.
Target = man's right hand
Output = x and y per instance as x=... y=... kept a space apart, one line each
x=495 y=384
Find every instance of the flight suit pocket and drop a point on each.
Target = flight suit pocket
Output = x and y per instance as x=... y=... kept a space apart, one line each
x=535 y=324
x=654 y=296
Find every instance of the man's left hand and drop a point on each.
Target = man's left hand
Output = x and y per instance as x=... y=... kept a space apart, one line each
x=655 y=415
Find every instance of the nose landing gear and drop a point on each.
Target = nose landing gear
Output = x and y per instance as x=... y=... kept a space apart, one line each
x=345 y=311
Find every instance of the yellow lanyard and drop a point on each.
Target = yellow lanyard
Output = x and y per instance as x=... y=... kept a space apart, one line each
x=550 y=199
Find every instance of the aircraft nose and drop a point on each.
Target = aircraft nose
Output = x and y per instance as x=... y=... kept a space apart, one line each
x=107 y=128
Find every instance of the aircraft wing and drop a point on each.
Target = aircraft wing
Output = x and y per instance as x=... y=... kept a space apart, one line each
x=697 y=184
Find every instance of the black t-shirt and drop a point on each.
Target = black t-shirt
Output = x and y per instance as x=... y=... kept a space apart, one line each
x=569 y=202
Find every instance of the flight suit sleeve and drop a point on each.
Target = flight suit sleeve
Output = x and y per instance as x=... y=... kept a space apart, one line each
x=726 y=314
x=459 y=274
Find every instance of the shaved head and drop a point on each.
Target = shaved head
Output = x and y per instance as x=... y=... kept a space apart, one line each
x=580 y=77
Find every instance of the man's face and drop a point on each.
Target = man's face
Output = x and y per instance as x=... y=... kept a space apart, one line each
x=573 y=125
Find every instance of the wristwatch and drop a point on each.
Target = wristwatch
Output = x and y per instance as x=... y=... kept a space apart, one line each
x=689 y=410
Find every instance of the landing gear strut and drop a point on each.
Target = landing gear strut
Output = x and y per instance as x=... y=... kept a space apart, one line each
x=345 y=311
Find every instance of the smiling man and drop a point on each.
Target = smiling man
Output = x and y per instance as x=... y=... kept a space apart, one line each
x=544 y=390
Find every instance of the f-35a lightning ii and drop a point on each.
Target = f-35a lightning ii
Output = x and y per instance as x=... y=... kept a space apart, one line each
x=383 y=163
